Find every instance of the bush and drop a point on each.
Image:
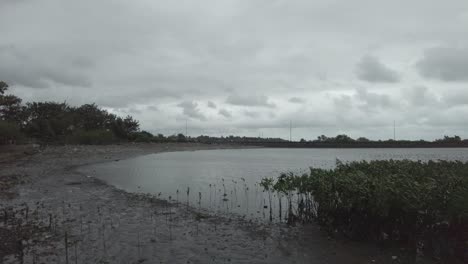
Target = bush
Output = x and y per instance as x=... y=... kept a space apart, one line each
x=143 y=136
x=9 y=133
x=92 y=137
x=416 y=203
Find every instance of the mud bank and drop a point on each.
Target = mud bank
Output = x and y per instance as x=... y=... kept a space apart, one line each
x=50 y=213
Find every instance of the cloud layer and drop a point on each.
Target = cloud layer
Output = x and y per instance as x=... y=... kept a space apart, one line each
x=245 y=67
x=370 y=69
x=445 y=63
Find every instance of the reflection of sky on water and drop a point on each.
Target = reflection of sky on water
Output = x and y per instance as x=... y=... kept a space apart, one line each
x=226 y=181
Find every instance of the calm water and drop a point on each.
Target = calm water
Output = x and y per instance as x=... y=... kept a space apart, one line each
x=226 y=181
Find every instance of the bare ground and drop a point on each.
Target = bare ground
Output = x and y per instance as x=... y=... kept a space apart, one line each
x=50 y=213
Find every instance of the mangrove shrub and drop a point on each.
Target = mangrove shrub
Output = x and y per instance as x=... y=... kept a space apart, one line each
x=421 y=204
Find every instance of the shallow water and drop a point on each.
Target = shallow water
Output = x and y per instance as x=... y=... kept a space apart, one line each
x=226 y=181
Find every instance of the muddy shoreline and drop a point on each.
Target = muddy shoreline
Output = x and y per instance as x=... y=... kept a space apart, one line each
x=52 y=213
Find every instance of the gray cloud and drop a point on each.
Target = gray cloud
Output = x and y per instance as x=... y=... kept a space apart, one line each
x=127 y=55
x=421 y=96
x=296 y=100
x=250 y=100
x=363 y=100
x=134 y=111
x=152 y=108
x=36 y=70
x=444 y=63
x=370 y=100
x=456 y=98
x=212 y=105
x=343 y=102
x=251 y=114
x=225 y=113
x=370 y=69
x=190 y=109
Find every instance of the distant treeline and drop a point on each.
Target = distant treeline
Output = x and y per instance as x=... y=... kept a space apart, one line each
x=340 y=141
x=344 y=141
x=237 y=140
x=60 y=123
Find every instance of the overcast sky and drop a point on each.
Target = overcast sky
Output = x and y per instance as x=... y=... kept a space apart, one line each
x=248 y=67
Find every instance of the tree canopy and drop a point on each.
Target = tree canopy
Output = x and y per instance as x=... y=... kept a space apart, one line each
x=53 y=121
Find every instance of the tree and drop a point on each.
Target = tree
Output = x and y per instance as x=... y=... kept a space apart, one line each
x=10 y=105
x=124 y=128
x=143 y=136
x=10 y=108
x=322 y=138
x=362 y=139
x=343 y=139
x=131 y=125
x=91 y=117
x=3 y=87
x=454 y=139
x=57 y=121
x=47 y=120
x=181 y=137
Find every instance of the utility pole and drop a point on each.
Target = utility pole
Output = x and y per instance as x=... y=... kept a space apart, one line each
x=394 y=131
x=290 y=131
x=186 y=128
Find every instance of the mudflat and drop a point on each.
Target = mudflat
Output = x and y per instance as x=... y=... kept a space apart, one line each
x=51 y=213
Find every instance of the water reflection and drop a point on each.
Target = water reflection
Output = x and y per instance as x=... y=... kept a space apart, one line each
x=227 y=181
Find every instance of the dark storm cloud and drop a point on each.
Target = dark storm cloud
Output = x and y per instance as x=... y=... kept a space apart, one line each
x=370 y=69
x=190 y=109
x=445 y=63
x=250 y=100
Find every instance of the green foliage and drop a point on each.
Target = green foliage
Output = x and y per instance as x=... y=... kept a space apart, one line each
x=47 y=120
x=405 y=201
x=91 y=117
x=337 y=139
x=362 y=139
x=54 y=122
x=124 y=128
x=143 y=136
x=3 y=87
x=9 y=132
x=92 y=137
x=454 y=139
x=267 y=183
x=10 y=105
